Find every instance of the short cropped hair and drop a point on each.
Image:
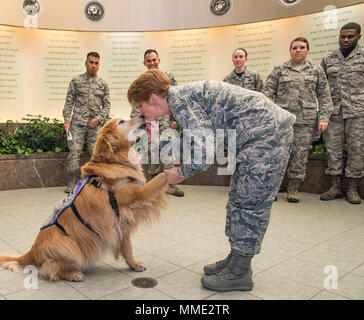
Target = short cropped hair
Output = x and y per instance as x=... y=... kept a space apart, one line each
x=93 y=54
x=152 y=81
x=352 y=25
x=301 y=39
x=150 y=51
x=242 y=49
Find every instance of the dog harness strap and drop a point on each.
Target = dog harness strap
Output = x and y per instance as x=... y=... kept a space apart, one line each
x=96 y=184
x=114 y=203
x=112 y=200
x=59 y=226
x=73 y=207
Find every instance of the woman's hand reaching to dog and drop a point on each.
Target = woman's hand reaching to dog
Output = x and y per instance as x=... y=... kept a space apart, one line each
x=173 y=176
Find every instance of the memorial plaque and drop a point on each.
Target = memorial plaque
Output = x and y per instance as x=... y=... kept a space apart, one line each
x=257 y=39
x=11 y=87
x=124 y=63
x=187 y=55
x=63 y=59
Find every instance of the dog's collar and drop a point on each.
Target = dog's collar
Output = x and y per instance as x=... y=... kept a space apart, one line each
x=120 y=164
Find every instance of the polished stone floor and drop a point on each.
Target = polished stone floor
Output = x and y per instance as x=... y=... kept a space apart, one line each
x=308 y=246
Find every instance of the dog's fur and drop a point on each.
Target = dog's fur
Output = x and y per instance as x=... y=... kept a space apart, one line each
x=58 y=256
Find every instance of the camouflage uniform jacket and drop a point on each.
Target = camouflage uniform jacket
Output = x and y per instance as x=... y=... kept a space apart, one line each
x=346 y=81
x=87 y=98
x=164 y=122
x=299 y=90
x=249 y=80
x=215 y=105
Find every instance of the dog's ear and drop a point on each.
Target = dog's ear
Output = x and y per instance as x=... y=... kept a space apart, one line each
x=103 y=151
x=110 y=147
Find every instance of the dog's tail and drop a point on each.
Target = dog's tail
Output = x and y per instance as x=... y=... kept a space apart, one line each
x=16 y=264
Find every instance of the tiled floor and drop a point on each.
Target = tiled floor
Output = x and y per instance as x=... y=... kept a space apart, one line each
x=304 y=247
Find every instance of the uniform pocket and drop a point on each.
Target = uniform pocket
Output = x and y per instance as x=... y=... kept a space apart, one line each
x=309 y=112
x=82 y=90
x=332 y=69
x=310 y=82
x=287 y=91
x=99 y=92
x=356 y=78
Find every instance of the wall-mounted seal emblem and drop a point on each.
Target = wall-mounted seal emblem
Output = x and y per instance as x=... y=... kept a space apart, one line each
x=31 y=7
x=289 y=3
x=220 y=7
x=94 y=11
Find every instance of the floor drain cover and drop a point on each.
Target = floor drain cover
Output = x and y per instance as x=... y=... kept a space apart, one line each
x=144 y=282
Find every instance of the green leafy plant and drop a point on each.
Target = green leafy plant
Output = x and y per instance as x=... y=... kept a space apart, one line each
x=38 y=134
x=6 y=139
x=318 y=148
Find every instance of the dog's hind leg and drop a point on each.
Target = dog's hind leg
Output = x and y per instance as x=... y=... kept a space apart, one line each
x=50 y=270
x=56 y=270
x=127 y=253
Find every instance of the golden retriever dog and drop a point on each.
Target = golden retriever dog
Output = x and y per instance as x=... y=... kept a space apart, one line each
x=65 y=250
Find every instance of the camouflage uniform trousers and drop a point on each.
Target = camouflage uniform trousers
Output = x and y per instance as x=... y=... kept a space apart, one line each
x=303 y=135
x=255 y=183
x=339 y=132
x=79 y=134
x=155 y=168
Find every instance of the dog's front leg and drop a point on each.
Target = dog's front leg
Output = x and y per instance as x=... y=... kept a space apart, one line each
x=157 y=184
x=127 y=253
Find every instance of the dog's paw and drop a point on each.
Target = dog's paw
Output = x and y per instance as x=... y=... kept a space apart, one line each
x=76 y=277
x=138 y=266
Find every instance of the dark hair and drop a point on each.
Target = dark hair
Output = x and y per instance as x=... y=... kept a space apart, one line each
x=352 y=25
x=150 y=51
x=242 y=49
x=93 y=54
x=301 y=39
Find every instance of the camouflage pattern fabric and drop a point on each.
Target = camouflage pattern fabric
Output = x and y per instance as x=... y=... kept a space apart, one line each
x=346 y=80
x=303 y=135
x=297 y=88
x=339 y=131
x=264 y=134
x=164 y=123
x=249 y=80
x=80 y=133
x=86 y=99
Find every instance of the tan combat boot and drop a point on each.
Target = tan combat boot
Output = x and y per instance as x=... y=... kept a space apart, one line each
x=335 y=191
x=292 y=190
x=174 y=191
x=352 y=191
x=72 y=178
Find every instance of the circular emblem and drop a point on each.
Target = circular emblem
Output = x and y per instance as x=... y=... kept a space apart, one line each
x=220 y=7
x=94 y=11
x=31 y=7
x=289 y=3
